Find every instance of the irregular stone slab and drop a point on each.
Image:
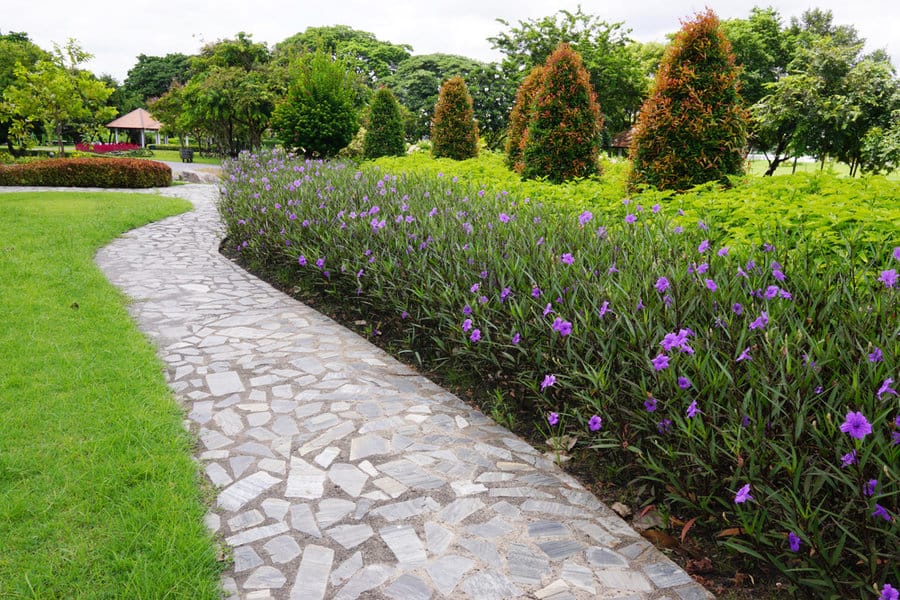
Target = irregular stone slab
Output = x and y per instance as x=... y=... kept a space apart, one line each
x=265 y=577
x=406 y=509
x=484 y=550
x=408 y=587
x=411 y=475
x=458 y=510
x=404 y=543
x=347 y=569
x=243 y=491
x=350 y=536
x=332 y=510
x=312 y=576
x=275 y=508
x=348 y=478
x=365 y=580
x=490 y=585
x=302 y=519
x=622 y=579
x=222 y=384
x=283 y=549
x=525 y=565
x=560 y=549
x=447 y=571
x=304 y=480
x=368 y=445
x=604 y=557
x=667 y=574
x=541 y=529
x=437 y=538
x=579 y=576
x=496 y=527
x=246 y=558
x=246 y=519
x=258 y=533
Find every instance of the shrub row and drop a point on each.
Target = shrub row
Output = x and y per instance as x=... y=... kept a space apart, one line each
x=89 y=172
x=172 y=147
x=748 y=382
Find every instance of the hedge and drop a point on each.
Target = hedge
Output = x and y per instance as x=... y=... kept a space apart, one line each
x=89 y=172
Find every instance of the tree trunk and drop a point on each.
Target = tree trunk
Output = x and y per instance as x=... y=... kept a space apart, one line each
x=59 y=138
x=794 y=169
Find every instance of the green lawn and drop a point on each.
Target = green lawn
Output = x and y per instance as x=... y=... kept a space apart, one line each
x=99 y=497
x=169 y=155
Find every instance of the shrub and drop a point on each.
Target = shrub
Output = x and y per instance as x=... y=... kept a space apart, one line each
x=106 y=148
x=518 y=118
x=454 y=132
x=384 y=135
x=693 y=128
x=172 y=147
x=318 y=116
x=563 y=137
x=770 y=340
x=89 y=172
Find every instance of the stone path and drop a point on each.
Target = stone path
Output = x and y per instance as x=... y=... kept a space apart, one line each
x=343 y=474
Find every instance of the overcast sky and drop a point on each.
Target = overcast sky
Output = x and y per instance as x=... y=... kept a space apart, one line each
x=116 y=32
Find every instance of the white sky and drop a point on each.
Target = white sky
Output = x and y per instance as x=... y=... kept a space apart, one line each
x=115 y=32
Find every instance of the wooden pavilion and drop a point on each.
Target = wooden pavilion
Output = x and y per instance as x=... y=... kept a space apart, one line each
x=138 y=119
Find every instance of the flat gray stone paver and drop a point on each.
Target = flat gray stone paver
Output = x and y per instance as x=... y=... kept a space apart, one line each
x=341 y=473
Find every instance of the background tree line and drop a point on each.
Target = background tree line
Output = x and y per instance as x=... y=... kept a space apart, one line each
x=809 y=87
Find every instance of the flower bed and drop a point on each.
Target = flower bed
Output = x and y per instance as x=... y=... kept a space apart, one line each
x=747 y=380
x=88 y=172
x=106 y=148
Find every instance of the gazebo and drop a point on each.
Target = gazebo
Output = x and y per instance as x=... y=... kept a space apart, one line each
x=138 y=119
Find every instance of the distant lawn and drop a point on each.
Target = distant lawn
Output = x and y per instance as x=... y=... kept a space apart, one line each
x=99 y=497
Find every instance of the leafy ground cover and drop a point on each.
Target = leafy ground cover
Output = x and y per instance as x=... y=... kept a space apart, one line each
x=98 y=495
x=728 y=355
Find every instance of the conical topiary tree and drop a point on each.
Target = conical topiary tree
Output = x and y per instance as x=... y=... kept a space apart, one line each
x=518 y=118
x=384 y=135
x=454 y=132
x=563 y=136
x=692 y=129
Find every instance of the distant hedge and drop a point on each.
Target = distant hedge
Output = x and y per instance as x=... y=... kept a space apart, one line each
x=174 y=147
x=89 y=172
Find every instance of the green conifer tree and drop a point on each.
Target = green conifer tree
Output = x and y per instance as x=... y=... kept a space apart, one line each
x=384 y=135
x=518 y=118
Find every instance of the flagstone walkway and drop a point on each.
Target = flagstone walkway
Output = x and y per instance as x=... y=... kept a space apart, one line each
x=340 y=472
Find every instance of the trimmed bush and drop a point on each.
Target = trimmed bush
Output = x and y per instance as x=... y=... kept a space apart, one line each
x=89 y=172
x=563 y=137
x=172 y=147
x=693 y=128
x=518 y=118
x=384 y=136
x=454 y=132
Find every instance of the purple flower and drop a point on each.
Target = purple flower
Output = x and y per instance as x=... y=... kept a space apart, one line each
x=711 y=285
x=889 y=278
x=467 y=310
x=684 y=383
x=535 y=292
x=604 y=308
x=660 y=362
x=668 y=300
x=886 y=388
x=743 y=494
x=302 y=261
x=772 y=291
x=553 y=418
x=505 y=294
x=504 y=218
x=889 y=592
x=516 y=338
x=404 y=315
x=737 y=309
x=650 y=404
x=562 y=326
x=595 y=423
x=664 y=426
x=876 y=356
x=482 y=299
x=320 y=263
x=476 y=335
x=567 y=258
x=778 y=275
x=761 y=321
x=655 y=208
x=848 y=459
x=548 y=309
x=869 y=487
x=630 y=218
x=767 y=247
x=856 y=425
x=723 y=251
x=584 y=217
x=548 y=381
x=745 y=421
x=794 y=542
x=882 y=512
x=662 y=284
x=467 y=325
x=703 y=247
x=702 y=225
x=897 y=253
x=474 y=287
x=692 y=410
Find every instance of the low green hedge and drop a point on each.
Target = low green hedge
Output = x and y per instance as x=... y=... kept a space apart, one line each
x=173 y=147
x=89 y=172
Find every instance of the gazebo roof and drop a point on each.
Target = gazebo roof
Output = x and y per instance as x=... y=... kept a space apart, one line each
x=136 y=119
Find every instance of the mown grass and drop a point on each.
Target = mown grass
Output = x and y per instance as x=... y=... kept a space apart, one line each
x=99 y=497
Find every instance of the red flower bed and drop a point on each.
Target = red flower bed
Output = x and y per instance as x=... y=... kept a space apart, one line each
x=105 y=148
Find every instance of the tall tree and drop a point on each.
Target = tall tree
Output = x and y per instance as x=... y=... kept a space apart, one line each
x=563 y=136
x=519 y=117
x=319 y=116
x=15 y=48
x=762 y=48
x=152 y=76
x=454 y=131
x=56 y=93
x=693 y=128
x=384 y=133
x=617 y=79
